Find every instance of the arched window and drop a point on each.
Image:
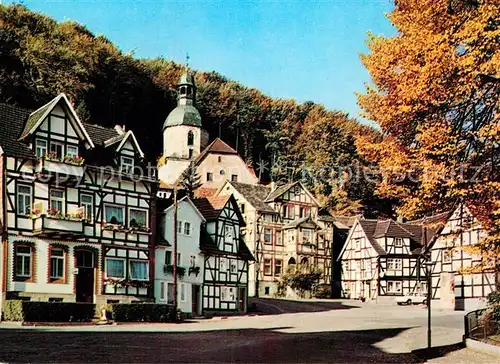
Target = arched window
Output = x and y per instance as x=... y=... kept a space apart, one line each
x=304 y=261
x=291 y=261
x=190 y=138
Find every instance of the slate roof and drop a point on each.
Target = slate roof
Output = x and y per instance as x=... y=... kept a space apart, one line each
x=279 y=191
x=393 y=229
x=369 y=227
x=36 y=115
x=100 y=134
x=255 y=195
x=12 y=120
x=210 y=206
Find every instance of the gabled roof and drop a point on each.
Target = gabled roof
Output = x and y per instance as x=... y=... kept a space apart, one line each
x=212 y=206
x=130 y=135
x=218 y=147
x=253 y=194
x=369 y=227
x=282 y=189
x=187 y=200
x=39 y=115
x=100 y=134
x=391 y=229
x=298 y=222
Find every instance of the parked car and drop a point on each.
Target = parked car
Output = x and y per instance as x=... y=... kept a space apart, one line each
x=412 y=298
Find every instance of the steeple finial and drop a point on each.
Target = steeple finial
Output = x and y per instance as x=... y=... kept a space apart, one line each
x=187 y=60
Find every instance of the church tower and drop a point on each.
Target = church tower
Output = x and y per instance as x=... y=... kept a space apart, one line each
x=183 y=135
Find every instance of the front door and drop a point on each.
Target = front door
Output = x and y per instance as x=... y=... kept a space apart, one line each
x=85 y=260
x=195 y=299
x=243 y=299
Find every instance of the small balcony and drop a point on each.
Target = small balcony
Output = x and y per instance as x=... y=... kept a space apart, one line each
x=69 y=169
x=55 y=225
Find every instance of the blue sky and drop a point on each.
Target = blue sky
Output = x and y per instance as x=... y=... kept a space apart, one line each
x=306 y=50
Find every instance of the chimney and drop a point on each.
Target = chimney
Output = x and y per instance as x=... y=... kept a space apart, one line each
x=120 y=129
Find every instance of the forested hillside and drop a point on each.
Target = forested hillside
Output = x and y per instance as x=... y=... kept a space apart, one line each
x=40 y=58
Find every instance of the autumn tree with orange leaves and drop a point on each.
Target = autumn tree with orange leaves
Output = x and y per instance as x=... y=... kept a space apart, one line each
x=435 y=95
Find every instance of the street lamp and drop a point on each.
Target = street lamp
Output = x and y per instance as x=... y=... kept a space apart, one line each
x=428 y=270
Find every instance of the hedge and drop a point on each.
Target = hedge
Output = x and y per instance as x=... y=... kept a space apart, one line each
x=144 y=312
x=30 y=311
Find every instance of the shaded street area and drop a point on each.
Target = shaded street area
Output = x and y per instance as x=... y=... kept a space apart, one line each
x=284 y=331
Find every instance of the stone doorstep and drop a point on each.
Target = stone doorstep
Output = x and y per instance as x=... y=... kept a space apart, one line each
x=483 y=347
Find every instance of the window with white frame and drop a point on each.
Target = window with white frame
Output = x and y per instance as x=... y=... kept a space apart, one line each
x=23 y=200
x=168 y=257
x=192 y=261
x=278 y=265
x=182 y=292
x=394 y=264
x=179 y=227
x=447 y=254
x=307 y=236
x=170 y=293
x=56 y=263
x=137 y=218
x=268 y=269
x=228 y=233
x=162 y=291
x=114 y=214
x=72 y=151
x=394 y=286
x=222 y=265
x=126 y=164
x=232 y=267
x=87 y=202
x=57 y=201
x=357 y=244
x=139 y=270
x=398 y=242
x=23 y=261
x=268 y=236
x=57 y=150
x=115 y=268
x=228 y=294
x=187 y=228
x=41 y=148
x=179 y=259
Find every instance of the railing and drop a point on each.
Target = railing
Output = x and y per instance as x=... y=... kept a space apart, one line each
x=474 y=326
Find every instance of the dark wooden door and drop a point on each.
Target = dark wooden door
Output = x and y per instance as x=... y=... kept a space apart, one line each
x=195 y=299
x=85 y=277
x=243 y=299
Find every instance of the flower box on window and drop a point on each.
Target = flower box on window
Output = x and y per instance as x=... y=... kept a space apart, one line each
x=194 y=270
x=47 y=225
x=52 y=165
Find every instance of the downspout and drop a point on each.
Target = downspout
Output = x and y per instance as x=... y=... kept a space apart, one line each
x=152 y=239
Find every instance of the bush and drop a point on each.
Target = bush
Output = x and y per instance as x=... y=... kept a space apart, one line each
x=323 y=291
x=16 y=310
x=145 y=312
x=13 y=310
x=493 y=312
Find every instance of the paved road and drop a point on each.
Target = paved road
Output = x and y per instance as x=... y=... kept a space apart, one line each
x=284 y=331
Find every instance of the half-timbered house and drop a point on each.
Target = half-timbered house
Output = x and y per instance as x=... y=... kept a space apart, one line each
x=456 y=280
x=190 y=260
x=284 y=229
x=381 y=258
x=226 y=256
x=76 y=208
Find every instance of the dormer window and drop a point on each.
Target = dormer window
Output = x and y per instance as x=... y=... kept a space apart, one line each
x=127 y=165
x=72 y=151
x=57 y=150
x=41 y=148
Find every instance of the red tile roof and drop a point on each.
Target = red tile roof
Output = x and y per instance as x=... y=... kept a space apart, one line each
x=210 y=206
